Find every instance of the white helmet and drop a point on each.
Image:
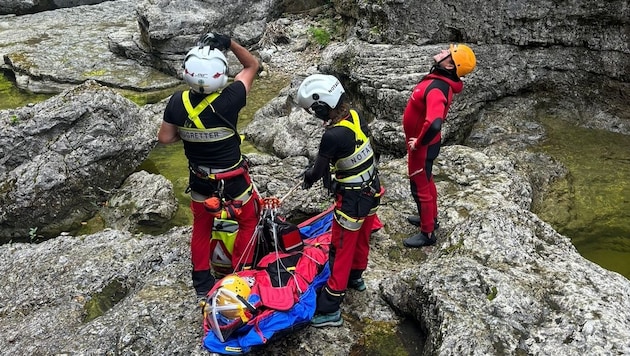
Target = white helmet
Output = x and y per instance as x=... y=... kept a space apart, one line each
x=321 y=93
x=205 y=69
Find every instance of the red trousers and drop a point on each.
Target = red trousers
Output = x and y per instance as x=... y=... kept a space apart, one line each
x=423 y=190
x=350 y=252
x=202 y=230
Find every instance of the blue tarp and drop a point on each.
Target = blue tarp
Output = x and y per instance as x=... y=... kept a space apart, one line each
x=317 y=227
x=244 y=340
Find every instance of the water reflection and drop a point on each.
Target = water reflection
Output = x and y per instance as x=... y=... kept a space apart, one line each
x=598 y=198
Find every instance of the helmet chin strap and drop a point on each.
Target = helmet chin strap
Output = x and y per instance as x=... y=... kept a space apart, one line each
x=443 y=59
x=438 y=63
x=449 y=73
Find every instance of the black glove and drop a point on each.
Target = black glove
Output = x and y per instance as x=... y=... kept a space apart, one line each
x=307 y=183
x=215 y=40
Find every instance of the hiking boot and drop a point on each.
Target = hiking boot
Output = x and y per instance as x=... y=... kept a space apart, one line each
x=357 y=284
x=420 y=239
x=331 y=319
x=415 y=221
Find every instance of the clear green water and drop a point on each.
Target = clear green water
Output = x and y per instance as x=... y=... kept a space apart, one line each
x=593 y=206
x=12 y=97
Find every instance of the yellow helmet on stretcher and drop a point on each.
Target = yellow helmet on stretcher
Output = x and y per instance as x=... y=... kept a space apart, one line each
x=231 y=295
x=225 y=308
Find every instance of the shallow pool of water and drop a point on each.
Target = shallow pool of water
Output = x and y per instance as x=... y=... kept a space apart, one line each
x=12 y=97
x=597 y=198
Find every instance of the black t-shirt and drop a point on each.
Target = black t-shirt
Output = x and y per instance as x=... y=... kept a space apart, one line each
x=337 y=142
x=221 y=154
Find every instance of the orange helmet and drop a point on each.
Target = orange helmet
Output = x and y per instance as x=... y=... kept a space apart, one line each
x=464 y=59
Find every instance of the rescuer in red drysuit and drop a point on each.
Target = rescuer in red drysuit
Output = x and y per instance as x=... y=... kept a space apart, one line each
x=422 y=123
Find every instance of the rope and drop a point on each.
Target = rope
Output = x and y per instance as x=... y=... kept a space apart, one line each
x=290 y=192
x=270 y=207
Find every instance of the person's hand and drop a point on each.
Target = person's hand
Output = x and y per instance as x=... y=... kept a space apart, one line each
x=307 y=183
x=412 y=144
x=215 y=40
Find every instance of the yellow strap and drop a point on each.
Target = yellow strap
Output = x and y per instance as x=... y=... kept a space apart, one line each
x=193 y=113
x=350 y=162
x=346 y=221
x=354 y=125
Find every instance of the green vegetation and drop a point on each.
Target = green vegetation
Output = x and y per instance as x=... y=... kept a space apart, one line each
x=32 y=234
x=92 y=226
x=95 y=73
x=384 y=338
x=381 y=339
x=452 y=248
x=100 y=303
x=326 y=30
x=320 y=36
x=493 y=293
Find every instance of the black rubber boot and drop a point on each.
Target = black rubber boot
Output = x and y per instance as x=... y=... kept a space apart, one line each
x=420 y=239
x=415 y=221
x=202 y=282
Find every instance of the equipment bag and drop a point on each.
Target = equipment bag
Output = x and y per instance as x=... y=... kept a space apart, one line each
x=288 y=237
x=221 y=246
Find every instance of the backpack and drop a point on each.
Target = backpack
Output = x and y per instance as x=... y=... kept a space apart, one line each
x=221 y=246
